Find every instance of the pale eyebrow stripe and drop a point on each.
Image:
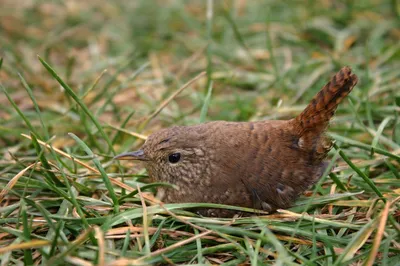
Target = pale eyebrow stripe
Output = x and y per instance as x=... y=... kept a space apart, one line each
x=164 y=141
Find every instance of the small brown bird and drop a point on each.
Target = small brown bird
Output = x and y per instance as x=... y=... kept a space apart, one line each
x=263 y=165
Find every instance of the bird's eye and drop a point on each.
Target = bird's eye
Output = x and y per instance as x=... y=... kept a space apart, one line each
x=174 y=157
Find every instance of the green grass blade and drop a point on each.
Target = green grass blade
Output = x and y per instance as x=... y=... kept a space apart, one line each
x=126 y=243
x=111 y=95
x=119 y=133
x=355 y=243
x=28 y=259
x=337 y=181
x=239 y=38
x=360 y=173
x=20 y=113
x=29 y=90
x=54 y=243
x=81 y=103
x=112 y=79
x=51 y=177
x=143 y=188
x=206 y=103
x=209 y=51
x=103 y=173
x=364 y=146
x=379 y=133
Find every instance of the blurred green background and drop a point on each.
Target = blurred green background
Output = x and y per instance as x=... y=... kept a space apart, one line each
x=123 y=59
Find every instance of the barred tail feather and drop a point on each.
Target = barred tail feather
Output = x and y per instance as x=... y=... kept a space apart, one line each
x=320 y=110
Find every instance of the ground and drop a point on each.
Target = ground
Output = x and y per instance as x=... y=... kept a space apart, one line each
x=82 y=81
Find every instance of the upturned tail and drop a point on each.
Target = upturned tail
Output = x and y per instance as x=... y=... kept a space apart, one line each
x=320 y=110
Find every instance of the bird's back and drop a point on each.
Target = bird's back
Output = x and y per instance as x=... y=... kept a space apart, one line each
x=260 y=164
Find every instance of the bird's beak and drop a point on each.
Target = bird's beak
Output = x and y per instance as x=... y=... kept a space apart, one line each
x=133 y=155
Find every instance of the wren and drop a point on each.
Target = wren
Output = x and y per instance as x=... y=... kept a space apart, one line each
x=263 y=165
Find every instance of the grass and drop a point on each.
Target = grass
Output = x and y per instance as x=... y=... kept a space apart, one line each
x=110 y=73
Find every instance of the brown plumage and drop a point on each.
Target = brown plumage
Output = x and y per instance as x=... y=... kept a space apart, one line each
x=263 y=165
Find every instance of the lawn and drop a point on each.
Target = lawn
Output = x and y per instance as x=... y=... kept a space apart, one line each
x=81 y=81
